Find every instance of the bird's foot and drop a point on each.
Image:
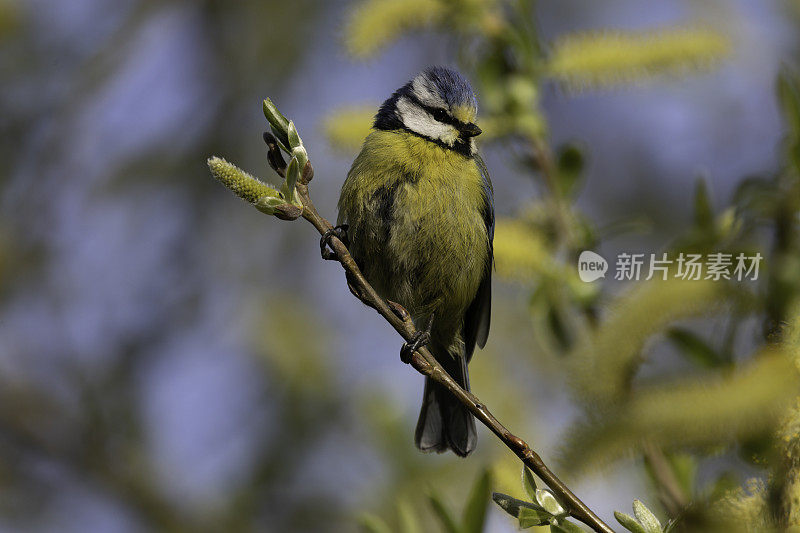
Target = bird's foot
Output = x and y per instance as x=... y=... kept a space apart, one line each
x=420 y=339
x=340 y=232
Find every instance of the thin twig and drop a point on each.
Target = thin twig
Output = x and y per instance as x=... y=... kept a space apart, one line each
x=669 y=488
x=424 y=362
x=543 y=159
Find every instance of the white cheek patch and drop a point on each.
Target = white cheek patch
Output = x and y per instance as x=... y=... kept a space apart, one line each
x=419 y=121
x=427 y=94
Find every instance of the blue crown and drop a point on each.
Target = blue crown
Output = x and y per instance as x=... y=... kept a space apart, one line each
x=451 y=85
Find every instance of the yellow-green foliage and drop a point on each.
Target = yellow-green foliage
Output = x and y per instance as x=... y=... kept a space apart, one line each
x=242 y=184
x=745 y=509
x=794 y=6
x=10 y=16
x=705 y=412
x=529 y=123
x=520 y=254
x=789 y=445
x=790 y=435
x=376 y=23
x=280 y=335
x=605 y=362
x=790 y=430
x=752 y=507
x=786 y=480
x=347 y=128
x=611 y=58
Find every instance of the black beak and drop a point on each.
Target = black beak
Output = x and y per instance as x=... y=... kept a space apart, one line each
x=470 y=130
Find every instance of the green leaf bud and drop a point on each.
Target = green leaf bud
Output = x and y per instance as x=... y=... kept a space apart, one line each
x=628 y=522
x=533 y=517
x=293 y=136
x=646 y=518
x=528 y=482
x=546 y=499
x=278 y=123
x=292 y=175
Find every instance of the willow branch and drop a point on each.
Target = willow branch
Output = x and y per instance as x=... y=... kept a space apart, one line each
x=423 y=361
x=293 y=201
x=542 y=157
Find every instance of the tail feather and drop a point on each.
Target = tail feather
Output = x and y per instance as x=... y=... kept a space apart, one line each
x=444 y=423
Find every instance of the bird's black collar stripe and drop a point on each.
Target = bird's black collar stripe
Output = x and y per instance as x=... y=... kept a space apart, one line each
x=459 y=146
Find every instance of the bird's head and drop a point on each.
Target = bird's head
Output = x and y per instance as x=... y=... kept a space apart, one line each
x=439 y=105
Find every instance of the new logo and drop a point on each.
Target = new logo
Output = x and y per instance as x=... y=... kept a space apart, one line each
x=591 y=266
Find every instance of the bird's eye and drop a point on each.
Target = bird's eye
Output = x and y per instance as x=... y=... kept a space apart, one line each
x=440 y=115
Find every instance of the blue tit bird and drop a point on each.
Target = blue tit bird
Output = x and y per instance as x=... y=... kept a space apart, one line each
x=418 y=210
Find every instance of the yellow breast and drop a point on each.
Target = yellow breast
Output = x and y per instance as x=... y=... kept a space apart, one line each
x=435 y=235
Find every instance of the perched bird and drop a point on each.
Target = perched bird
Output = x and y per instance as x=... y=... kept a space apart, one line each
x=418 y=210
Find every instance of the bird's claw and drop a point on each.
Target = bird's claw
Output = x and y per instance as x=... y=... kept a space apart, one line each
x=340 y=232
x=420 y=339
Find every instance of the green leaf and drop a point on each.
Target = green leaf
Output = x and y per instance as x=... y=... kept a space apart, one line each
x=292 y=175
x=293 y=136
x=477 y=503
x=373 y=524
x=646 y=518
x=565 y=527
x=268 y=204
x=557 y=322
x=408 y=519
x=275 y=117
x=759 y=196
x=694 y=348
x=629 y=522
x=528 y=482
x=442 y=513
x=789 y=99
x=283 y=140
x=278 y=123
x=684 y=466
x=570 y=164
x=546 y=499
x=301 y=155
x=512 y=505
x=703 y=212
x=533 y=517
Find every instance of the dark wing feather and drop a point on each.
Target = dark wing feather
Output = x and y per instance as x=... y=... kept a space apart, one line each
x=478 y=315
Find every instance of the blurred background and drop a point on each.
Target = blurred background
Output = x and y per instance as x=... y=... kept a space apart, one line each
x=172 y=360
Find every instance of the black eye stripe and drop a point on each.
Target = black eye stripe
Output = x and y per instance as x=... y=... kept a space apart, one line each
x=437 y=113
